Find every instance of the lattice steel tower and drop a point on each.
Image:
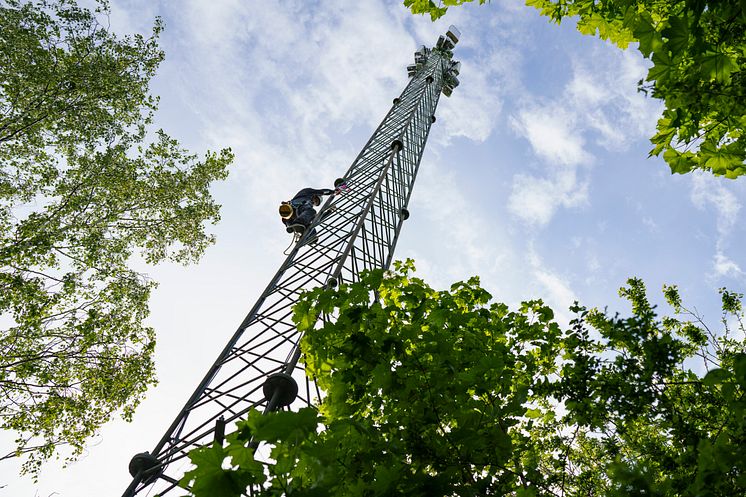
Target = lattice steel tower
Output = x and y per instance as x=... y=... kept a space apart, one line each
x=356 y=230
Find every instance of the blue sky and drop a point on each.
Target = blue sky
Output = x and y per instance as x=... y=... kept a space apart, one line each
x=536 y=174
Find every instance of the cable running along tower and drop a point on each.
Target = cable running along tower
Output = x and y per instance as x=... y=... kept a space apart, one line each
x=258 y=368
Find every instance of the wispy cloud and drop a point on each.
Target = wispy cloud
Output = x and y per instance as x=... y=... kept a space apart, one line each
x=724 y=266
x=552 y=133
x=474 y=108
x=595 y=107
x=536 y=199
x=276 y=85
x=460 y=226
x=709 y=192
x=555 y=288
x=600 y=96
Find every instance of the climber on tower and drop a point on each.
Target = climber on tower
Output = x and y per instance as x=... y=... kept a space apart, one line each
x=299 y=213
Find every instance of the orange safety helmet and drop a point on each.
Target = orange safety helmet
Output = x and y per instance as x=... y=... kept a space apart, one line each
x=286 y=210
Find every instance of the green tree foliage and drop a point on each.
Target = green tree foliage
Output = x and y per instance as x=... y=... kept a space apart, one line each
x=435 y=10
x=698 y=50
x=445 y=393
x=83 y=189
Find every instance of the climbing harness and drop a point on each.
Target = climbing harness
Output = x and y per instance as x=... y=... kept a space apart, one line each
x=289 y=208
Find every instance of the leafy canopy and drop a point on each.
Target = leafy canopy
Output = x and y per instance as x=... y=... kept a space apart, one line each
x=83 y=189
x=698 y=50
x=446 y=393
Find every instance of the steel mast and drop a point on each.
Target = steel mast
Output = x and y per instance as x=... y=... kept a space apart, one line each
x=258 y=368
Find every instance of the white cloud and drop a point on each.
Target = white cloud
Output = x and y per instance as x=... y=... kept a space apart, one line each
x=723 y=266
x=600 y=94
x=552 y=133
x=280 y=87
x=122 y=19
x=650 y=224
x=535 y=200
x=473 y=109
x=555 y=289
x=593 y=265
x=710 y=192
x=595 y=106
x=467 y=230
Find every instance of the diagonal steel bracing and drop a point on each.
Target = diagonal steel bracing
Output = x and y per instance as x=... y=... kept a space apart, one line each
x=359 y=232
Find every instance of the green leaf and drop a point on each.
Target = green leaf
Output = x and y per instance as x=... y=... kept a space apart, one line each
x=717 y=66
x=719 y=163
x=663 y=67
x=680 y=163
x=282 y=425
x=209 y=478
x=649 y=38
x=716 y=377
x=533 y=413
x=739 y=369
x=677 y=33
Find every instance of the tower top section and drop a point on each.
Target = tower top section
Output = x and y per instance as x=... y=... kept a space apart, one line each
x=444 y=50
x=448 y=41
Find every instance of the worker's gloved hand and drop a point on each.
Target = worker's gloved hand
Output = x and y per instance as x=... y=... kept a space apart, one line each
x=340 y=185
